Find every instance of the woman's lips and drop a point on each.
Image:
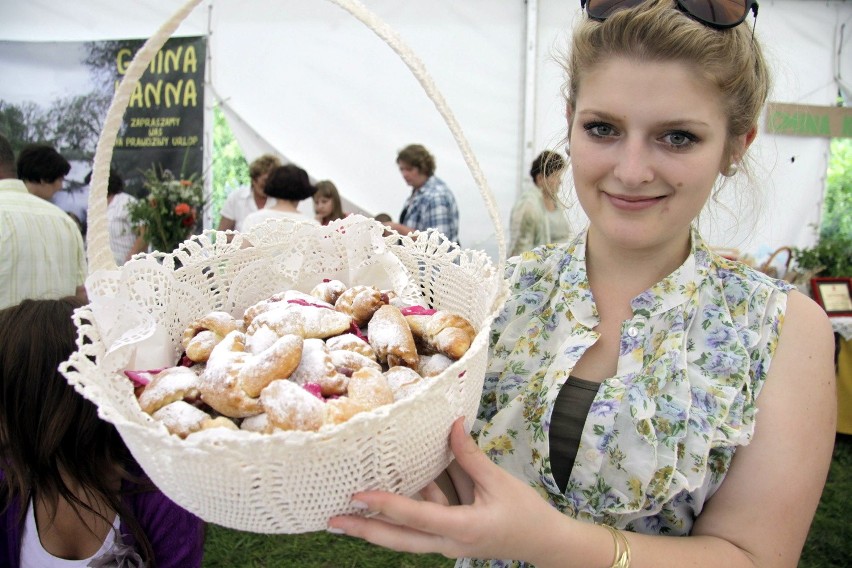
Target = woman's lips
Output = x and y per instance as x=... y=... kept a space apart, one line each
x=633 y=202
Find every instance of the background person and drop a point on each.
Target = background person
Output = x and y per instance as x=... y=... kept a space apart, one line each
x=70 y=492
x=431 y=204
x=538 y=218
x=42 y=169
x=647 y=403
x=123 y=238
x=327 y=204
x=246 y=200
x=289 y=185
x=41 y=248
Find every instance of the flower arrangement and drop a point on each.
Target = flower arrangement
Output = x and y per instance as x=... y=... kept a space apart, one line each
x=167 y=216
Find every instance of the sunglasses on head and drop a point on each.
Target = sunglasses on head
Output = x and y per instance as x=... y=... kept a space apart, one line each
x=719 y=14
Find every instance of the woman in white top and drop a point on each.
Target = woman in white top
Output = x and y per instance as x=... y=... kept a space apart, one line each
x=124 y=241
x=244 y=201
x=288 y=185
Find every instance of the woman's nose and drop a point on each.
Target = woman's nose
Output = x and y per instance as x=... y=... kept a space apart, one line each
x=634 y=166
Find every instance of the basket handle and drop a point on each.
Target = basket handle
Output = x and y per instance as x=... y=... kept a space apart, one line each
x=765 y=266
x=98 y=250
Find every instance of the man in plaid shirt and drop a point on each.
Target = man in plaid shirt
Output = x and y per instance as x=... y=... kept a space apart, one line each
x=431 y=204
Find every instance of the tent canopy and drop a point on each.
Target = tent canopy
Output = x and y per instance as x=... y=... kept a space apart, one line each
x=308 y=81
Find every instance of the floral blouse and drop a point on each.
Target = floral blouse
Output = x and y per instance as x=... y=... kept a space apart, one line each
x=661 y=433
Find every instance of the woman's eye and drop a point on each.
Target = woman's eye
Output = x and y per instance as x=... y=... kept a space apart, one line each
x=599 y=129
x=680 y=139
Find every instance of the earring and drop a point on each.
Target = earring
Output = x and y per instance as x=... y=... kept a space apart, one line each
x=731 y=171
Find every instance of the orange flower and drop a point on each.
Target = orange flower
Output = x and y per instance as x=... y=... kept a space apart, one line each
x=185 y=182
x=182 y=208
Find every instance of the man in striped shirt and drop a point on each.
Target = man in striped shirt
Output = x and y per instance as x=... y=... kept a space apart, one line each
x=41 y=249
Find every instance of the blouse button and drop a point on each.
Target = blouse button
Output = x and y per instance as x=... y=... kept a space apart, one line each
x=632 y=331
x=615 y=382
x=591 y=455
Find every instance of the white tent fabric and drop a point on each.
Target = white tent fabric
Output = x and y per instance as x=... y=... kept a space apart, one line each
x=307 y=80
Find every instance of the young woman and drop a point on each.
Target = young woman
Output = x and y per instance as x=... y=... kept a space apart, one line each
x=538 y=218
x=647 y=402
x=327 y=204
x=70 y=492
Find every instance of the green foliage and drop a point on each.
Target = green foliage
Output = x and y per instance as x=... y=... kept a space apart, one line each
x=230 y=169
x=167 y=216
x=837 y=208
x=832 y=255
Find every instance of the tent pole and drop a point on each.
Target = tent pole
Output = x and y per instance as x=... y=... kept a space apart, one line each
x=530 y=64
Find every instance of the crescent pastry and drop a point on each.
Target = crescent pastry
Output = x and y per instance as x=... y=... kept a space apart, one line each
x=290 y=407
x=307 y=321
x=369 y=388
x=442 y=332
x=203 y=334
x=328 y=290
x=360 y=303
x=391 y=338
x=167 y=386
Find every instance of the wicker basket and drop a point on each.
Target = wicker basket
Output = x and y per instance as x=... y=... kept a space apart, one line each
x=287 y=482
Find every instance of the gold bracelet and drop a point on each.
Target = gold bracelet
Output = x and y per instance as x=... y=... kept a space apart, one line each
x=622 y=548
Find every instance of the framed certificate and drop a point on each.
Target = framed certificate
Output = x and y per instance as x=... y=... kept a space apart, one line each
x=834 y=295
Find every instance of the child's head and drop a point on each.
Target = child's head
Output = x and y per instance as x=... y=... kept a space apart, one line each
x=327 y=204
x=50 y=436
x=383 y=218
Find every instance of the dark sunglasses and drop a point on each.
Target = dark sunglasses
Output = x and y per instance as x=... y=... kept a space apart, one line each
x=719 y=14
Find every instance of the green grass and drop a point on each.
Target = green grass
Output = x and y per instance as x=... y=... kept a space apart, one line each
x=829 y=543
x=228 y=548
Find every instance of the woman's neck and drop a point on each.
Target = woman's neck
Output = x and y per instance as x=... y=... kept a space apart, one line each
x=630 y=270
x=286 y=205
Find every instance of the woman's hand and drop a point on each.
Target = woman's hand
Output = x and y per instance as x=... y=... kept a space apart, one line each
x=500 y=522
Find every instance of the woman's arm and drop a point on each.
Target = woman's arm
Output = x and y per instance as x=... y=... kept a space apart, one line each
x=759 y=517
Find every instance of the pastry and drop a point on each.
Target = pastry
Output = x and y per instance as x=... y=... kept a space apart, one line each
x=328 y=290
x=339 y=410
x=360 y=303
x=351 y=342
x=369 y=388
x=307 y=321
x=442 y=332
x=402 y=381
x=391 y=338
x=347 y=362
x=316 y=367
x=278 y=361
x=290 y=407
x=203 y=334
x=181 y=418
x=433 y=365
x=167 y=386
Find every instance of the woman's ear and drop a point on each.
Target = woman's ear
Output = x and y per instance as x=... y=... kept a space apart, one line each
x=749 y=138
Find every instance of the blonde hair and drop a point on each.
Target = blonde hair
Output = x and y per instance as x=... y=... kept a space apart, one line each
x=263 y=165
x=657 y=30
